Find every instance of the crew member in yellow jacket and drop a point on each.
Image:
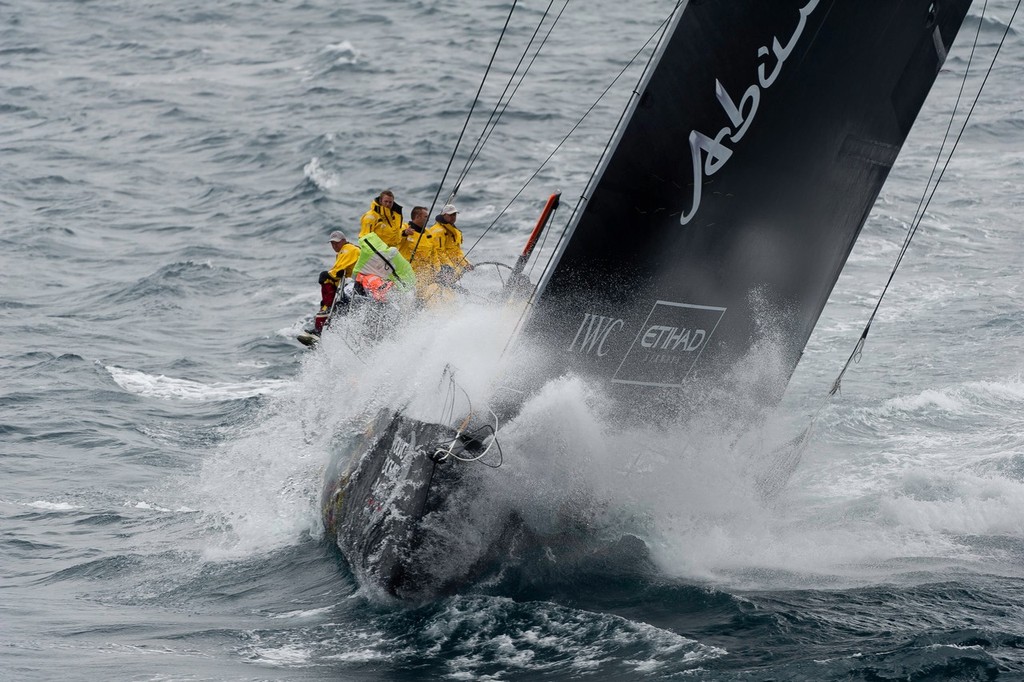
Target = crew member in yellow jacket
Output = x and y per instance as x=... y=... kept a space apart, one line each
x=439 y=261
x=384 y=218
x=448 y=256
x=412 y=230
x=331 y=280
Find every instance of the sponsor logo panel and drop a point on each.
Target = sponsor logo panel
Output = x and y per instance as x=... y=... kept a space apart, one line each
x=668 y=344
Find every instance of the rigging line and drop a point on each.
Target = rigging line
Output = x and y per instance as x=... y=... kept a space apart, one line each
x=925 y=199
x=660 y=32
x=501 y=97
x=919 y=211
x=448 y=411
x=497 y=105
x=496 y=115
x=858 y=348
x=949 y=126
x=661 y=28
x=465 y=125
x=920 y=218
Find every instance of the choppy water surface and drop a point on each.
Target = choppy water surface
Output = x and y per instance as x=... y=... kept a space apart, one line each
x=169 y=172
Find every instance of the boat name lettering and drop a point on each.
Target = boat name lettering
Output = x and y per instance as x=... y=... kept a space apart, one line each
x=661 y=337
x=399 y=447
x=391 y=467
x=741 y=115
x=393 y=461
x=594 y=331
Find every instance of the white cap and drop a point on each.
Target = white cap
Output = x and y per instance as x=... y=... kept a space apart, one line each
x=338 y=236
x=449 y=208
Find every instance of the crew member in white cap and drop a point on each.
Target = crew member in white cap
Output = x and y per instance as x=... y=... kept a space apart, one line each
x=449 y=260
x=330 y=280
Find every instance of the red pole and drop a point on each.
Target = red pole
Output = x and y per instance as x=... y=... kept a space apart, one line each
x=545 y=216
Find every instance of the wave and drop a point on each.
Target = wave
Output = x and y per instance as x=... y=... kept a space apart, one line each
x=342 y=53
x=168 y=284
x=491 y=638
x=52 y=506
x=323 y=178
x=332 y=59
x=169 y=388
x=532 y=638
x=151 y=506
x=957 y=503
x=958 y=400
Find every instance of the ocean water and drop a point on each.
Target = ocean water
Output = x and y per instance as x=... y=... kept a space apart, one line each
x=169 y=172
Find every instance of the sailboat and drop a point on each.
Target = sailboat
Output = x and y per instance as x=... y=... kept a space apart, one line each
x=723 y=210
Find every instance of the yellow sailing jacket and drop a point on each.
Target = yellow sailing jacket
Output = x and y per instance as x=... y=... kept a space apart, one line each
x=447 y=246
x=386 y=222
x=424 y=258
x=347 y=258
x=408 y=243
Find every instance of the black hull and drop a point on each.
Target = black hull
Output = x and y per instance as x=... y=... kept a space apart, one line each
x=378 y=495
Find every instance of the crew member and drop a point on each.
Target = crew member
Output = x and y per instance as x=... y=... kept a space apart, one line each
x=412 y=230
x=330 y=280
x=438 y=260
x=384 y=218
x=449 y=260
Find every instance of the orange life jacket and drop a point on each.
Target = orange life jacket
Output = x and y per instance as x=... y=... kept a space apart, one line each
x=375 y=286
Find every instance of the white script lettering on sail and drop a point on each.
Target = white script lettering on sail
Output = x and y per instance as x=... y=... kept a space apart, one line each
x=593 y=333
x=740 y=116
x=661 y=337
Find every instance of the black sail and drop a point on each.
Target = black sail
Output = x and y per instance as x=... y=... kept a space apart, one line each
x=735 y=190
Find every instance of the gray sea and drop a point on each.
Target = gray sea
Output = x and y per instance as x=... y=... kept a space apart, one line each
x=169 y=172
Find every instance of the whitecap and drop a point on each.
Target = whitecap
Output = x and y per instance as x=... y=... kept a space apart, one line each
x=342 y=53
x=304 y=613
x=286 y=655
x=1011 y=390
x=319 y=176
x=52 y=506
x=146 y=505
x=525 y=639
x=930 y=398
x=161 y=386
